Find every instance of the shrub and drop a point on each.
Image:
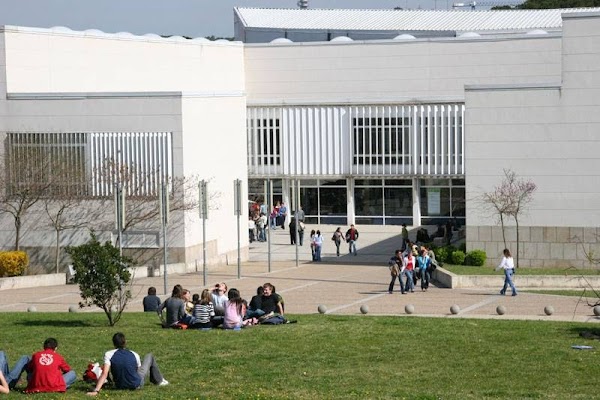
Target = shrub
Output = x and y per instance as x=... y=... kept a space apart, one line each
x=457 y=257
x=13 y=263
x=476 y=258
x=463 y=247
x=441 y=254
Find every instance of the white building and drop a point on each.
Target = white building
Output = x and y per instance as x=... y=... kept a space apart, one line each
x=374 y=132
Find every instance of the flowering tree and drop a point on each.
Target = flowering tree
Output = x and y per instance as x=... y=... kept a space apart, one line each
x=510 y=199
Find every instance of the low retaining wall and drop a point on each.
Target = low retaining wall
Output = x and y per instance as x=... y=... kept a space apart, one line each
x=447 y=279
x=20 y=282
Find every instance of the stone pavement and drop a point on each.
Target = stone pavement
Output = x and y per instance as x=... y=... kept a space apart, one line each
x=341 y=284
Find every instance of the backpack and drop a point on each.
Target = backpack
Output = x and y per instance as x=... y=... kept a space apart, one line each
x=394 y=270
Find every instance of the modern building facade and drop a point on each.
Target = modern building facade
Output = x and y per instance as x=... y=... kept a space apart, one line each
x=373 y=132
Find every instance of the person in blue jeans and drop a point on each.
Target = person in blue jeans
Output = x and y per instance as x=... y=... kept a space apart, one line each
x=409 y=270
x=424 y=264
x=47 y=371
x=508 y=265
x=318 y=242
x=4 y=389
x=396 y=269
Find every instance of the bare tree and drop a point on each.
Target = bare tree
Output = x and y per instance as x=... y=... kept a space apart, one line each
x=510 y=199
x=23 y=184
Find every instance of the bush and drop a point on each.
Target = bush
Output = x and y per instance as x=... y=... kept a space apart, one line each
x=457 y=257
x=441 y=254
x=13 y=263
x=463 y=247
x=476 y=258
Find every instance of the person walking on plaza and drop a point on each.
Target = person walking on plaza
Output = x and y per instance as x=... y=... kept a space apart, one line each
x=508 y=265
x=424 y=264
x=404 y=237
x=47 y=371
x=127 y=370
x=351 y=238
x=337 y=239
x=409 y=269
x=396 y=269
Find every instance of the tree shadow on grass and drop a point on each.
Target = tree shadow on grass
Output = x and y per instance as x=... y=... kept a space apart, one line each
x=587 y=332
x=55 y=323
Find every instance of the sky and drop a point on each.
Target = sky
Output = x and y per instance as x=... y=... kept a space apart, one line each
x=193 y=18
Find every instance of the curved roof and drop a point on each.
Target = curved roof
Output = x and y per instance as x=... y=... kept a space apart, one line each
x=403 y=20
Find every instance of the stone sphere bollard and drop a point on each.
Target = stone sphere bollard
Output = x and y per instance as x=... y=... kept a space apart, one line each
x=549 y=310
x=597 y=311
x=322 y=309
x=73 y=309
x=364 y=309
x=409 y=308
x=501 y=310
x=31 y=309
x=455 y=309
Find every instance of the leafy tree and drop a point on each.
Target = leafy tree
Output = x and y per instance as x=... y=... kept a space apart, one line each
x=510 y=199
x=103 y=277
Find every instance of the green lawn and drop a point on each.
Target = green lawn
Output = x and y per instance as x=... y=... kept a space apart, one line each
x=563 y=292
x=332 y=357
x=469 y=270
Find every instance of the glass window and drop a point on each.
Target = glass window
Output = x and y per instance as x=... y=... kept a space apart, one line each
x=339 y=182
x=398 y=182
x=458 y=182
x=368 y=201
x=398 y=202
x=435 y=201
x=333 y=201
x=309 y=198
x=368 y=182
x=435 y=182
x=398 y=221
x=458 y=202
x=369 y=221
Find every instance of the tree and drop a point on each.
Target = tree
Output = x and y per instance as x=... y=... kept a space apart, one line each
x=23 y=184
x=510 y=199
x=103 y=277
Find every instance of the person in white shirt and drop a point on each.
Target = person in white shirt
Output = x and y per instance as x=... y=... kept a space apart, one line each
x=508 y=265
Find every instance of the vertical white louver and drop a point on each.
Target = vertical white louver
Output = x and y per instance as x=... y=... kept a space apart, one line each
x=365 y=140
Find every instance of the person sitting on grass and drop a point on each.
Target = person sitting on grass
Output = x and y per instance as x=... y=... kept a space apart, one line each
x=3 y=384
x=255 y=307
x=175 y=306
x=234 y=310
x=128 y=372
x=204 y=311
x=47 y=371
x=152 y=301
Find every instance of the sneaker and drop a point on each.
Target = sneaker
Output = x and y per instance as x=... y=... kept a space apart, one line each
x=514 y=294
x=502 y=292
x=389 y=291
x=164 y=382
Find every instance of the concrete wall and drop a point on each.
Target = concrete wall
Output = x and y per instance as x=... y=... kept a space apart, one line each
x=549 y=135
x=42 y=60
x=90 y=82
x=415 y=70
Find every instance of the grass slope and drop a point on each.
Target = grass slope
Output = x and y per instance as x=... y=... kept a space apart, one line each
x=330 y=357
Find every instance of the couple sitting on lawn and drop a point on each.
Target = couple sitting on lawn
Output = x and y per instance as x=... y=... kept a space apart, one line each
x=47 y=371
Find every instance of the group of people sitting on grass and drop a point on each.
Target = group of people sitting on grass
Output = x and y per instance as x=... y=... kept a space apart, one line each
x=48 y=372
x=409 y=265
x=219 y=307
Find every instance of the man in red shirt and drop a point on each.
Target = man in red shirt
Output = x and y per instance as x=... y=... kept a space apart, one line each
x=46 y=370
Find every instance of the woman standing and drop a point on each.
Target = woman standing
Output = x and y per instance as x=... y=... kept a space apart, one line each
x=508 y=265
x=337 y=238
x=318 y=240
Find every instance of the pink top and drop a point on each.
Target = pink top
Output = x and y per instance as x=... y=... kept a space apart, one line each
x=232 y=318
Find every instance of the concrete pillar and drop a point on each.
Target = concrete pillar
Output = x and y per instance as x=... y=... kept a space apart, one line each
x=351 y=206
x=416 y=196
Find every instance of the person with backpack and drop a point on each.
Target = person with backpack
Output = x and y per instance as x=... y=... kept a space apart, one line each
x=337 y=239
x=351 y=238
x=408 y=271
x=396 y=265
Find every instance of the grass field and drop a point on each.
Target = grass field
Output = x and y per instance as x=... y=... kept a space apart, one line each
x=330 y=357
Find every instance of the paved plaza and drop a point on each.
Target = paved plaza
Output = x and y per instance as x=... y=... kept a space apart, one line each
x=342 y=284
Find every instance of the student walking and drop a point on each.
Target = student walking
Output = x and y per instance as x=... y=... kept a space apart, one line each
x=337 y=239
x=396 y=269
x=508 y=265
x=351 y=238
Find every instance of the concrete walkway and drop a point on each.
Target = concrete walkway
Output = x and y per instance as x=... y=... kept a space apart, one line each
x=342 y=284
